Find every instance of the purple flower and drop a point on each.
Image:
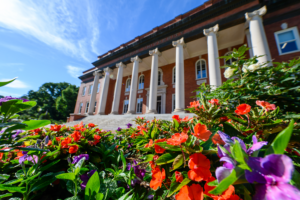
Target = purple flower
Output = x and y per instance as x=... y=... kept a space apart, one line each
x=85 y=178
x=5 y=99
x=140 y=173
x=119 y=129
x=31 y=158
x=79 y=157
x=129 y=125
x=17 y=132
x=272 y=175
x=128 y=166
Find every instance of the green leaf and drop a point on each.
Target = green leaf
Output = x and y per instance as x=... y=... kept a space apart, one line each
x=11 y=188
x=176 y=124
x=177 y=162
x=79 y=165
x=123 y=161
x=168 y=146
x=6 y=195
x=2 y=83
x=295 y=179
x=44 y=181
x=176 y=186
x=49 y=165
x=92 y=187
x=148 y=158
x=4 y=177
x=153 y=133
x=281 y=141
x=34 y=124
x=239 y=155
x=166 y=158
x=124 y=197
x=229 y=180
x=99 y=196
x=67 y=176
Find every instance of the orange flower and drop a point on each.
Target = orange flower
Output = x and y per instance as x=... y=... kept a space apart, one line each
x=214 y=102
x=1 y=156
x=199 y=166
x=152 y=162
x=73 y=149
x=226 y=195
x=217 y=139
x=194 y=104
x=149 y=144
x=55 y=128
x=176 y=117
x=193 y=192
x=78 y=126
x=178 y=177
x=97 y=139
x=58 y=138
x=178 y=139
x=65 y=142
x=201 y=132
x=157 y=148
x=185 y=119
x=266 y=105
x=76 y=135
x=157 y=178
x=49 y=143
x=243 y=109
x=91 y=125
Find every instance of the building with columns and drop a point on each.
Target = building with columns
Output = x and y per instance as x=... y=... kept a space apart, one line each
x=158 y=72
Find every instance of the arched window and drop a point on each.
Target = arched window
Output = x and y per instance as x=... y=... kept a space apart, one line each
x=127 y=86
x=141 y=82
x=160 y=77
x=201 y=69
x=230 y=61
x=174 y=75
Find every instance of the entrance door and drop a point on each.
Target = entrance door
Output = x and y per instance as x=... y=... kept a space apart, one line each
x=158 y=105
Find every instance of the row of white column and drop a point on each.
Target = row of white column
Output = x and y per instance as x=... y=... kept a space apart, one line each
x=256 y=38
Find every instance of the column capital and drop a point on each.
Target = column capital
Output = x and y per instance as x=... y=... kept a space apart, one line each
x=98 y=72
x=154 y=51
x=136 y=58
x=107 y=71
x=179 y=42
x=120 y=64
x=260 y=12
x=210 y=30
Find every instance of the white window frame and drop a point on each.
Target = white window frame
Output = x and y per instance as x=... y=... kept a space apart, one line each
x=173 y=102
x=90 y=89
x=141 y=76
x=297 y=39
x=87 y=107
x=124 y=105
x=80 y=107
x=137 y=105
x=226 y=54
x=128 y=82
x=98 y=87
x=201 y=69
x=83 y=91
x=174 y=74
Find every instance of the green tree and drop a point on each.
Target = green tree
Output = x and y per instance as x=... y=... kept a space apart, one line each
x=65 y=103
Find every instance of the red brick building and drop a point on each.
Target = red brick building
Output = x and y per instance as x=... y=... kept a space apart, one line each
x=159 y=71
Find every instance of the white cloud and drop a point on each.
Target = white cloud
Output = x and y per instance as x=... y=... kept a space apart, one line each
x=4 y=93
x=15 y=84
x=74 y=71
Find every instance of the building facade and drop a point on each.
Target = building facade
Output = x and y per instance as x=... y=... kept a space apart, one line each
x=159 y=71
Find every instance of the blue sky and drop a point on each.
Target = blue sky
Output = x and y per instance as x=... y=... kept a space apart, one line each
x=55 y=40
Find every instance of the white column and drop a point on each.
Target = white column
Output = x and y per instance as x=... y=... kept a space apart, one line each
x=213 y=56
x=258 y=36
x=247 y=32
x=153 y=81
x=118 y=86
x=133 y=87
x=179 y=76
x=103 y=95
x=94 y=92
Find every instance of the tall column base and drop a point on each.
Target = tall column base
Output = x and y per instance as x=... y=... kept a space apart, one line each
x=130 y=112
x=179 y=111
x=151 y=112
x=114 y=113
x=101 y=113
x=91 y=113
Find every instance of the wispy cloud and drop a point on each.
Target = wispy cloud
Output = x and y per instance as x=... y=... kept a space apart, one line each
x=15 y=84
x=74 y=71
x=4 y=93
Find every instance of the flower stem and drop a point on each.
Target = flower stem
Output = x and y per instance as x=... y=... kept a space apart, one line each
x=183 y=155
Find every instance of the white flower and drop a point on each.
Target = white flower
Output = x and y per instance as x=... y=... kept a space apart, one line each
x=245 y=68
x=229 y=72
x=253 y=67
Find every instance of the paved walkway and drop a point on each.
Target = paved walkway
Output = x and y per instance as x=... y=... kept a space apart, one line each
x=112 y=122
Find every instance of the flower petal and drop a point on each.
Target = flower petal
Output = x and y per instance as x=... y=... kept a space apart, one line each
x=282 y=191
x=226 y=138
x=222 y=172
x=256 y=146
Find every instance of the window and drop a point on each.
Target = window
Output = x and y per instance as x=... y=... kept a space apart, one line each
x=125 y=107
x=83 y=91
x=201 y=69
x=87 y=107
x=141 y=82
x=160 y=77
x=80 y=107
x=173 y=102
x=288 y=41
x=174 y=75
x=230 y=61
x=98 y=87
x=95 y=106
x=90 y=89
x=127 y=86
x=139 y=106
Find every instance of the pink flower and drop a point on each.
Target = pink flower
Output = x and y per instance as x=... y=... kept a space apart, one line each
x=266 y=105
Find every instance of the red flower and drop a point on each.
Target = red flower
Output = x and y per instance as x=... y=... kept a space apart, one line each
x=176 y=117
x=149 y=144
x=73 y=149
x=91 y=125
x=178 y=139
x=65 y=142
x=216 y=139
x=199 y=166
x=178 y=177
x=157 y=178
x=78 y=127
x=193 y=192
x=194 y=104
x=201 y=132
x=76 y=135
x=185 y=119
x=117 y=147
x=243 y=109
x=97 y=139
x=58 y=138
x=224 y=119
x=266 y=105
x=226 y=195
x=49 y=143
x=214 y=102
x=157 y=148
x=55 y=128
